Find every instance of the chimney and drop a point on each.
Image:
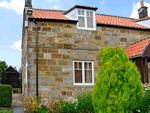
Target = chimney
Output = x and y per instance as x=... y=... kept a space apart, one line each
x=142 y=3
x=142 y=11
x=28 y=3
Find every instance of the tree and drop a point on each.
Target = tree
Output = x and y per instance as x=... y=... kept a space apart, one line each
x=118 y=86
x=3 y=66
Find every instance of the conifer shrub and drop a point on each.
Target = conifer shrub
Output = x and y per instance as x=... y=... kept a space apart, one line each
x=118 y=87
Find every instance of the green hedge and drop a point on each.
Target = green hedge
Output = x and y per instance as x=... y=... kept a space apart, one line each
x=5 y=95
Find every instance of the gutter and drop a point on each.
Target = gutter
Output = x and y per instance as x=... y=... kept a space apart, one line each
x=36 y=58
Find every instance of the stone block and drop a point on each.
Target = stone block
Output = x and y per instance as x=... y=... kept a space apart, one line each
x=44 y=88
x=55 y=29
x=63 y=40
x=50 y=24
x=123 y=39
x=54 y=73
x=46 y=28
x=105 y=38
x=40 y=61
x=115 y=39
x=63 y=73
x=106 y=43
x=48 y=74
x=110 y=29
x=51 y=62
x=129 y=40
x=67 y=25
x=68 y=80
x=97 y=37
x=99 y=64
x=70 y=63
x=65 y=56
x=55 y=68
x=43 y=68
x=51 y=34
x=98 y=57
x=107 y=34
x=58 y=46
x=114 y=34
x=34 y=49
x=67 y=68
x=42 y=23
x=94 y=32
x=67 y=35
x=47 y=55
x=71 y=41
x=122 y=30
x=62 y=62
x=51 y=39
x=99 y=29
x=77 y=36
x=81 y=52
x=52 y=84
x=77 y=31
x=55 y=89
x=63 y=92
x=58 y=56
x=44 y=94
x=34 y=28
x=50 y=50
x=40 y=55
x=67 y=46
x=29 y=38
x=62 y=51
x=51 y=80
x=58 y=79
x=89 y=57
x=44 y=84
x=86 y=32
x=87 y=36
x=69 y=93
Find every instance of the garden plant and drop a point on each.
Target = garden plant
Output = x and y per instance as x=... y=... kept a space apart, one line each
x=118 y=86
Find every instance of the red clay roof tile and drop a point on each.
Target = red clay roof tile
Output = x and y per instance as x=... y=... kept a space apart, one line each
x=137 y=48
x=101 y=19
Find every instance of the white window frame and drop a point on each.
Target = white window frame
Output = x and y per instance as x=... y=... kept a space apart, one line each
x=83 y=73
x=85 y=20
x=26 y=72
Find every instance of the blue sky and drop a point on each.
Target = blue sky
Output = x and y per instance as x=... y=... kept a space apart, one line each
x=11 y=19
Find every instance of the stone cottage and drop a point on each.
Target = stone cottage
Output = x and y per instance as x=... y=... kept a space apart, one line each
x=68 y=46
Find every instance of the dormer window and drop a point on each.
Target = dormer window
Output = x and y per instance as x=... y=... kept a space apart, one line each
x=86 y=19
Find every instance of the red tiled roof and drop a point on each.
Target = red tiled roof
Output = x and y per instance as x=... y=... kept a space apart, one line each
x=120 y=21
x=142 y=19
x=137 y=48
x=102 y=19
x=49 y=14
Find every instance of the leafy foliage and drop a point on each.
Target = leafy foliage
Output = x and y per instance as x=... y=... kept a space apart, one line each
x=3 y=66
x=69 y=105
x=85 y=101
x=5 y=95
x=144 y=106
x=118 y=86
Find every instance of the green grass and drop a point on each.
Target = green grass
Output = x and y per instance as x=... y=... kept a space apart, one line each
x=4 y=111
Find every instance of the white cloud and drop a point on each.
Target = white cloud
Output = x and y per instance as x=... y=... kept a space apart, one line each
x=102 y=2
x=16 y=5
x=17 y=45
x=49 y=0
x=56 y=7
x=136 y=6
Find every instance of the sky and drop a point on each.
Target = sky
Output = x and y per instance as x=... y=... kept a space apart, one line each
x=11 y=19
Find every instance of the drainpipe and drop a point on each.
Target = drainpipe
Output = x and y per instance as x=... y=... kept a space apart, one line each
x=36 y=58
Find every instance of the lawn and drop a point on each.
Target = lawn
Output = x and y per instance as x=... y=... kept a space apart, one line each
x=4 y=111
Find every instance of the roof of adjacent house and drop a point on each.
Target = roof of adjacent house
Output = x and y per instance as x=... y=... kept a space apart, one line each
x=138 y=47
x=100 y=18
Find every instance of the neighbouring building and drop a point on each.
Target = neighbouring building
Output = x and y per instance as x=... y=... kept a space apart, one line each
x=68 y=46
x=11 y=76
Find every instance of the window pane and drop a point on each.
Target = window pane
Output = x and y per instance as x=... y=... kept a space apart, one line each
x=87 y=13
x=85 y=65
x=88 y=76
x=78 y=76
x=81 y=21
x=91 y=14
x=78 y=12
x=82 y=12
x=76 y=65
x=90 y=22
x=90 y=65
x=80 y=65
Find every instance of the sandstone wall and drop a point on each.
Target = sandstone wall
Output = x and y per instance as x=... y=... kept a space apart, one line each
x=60 y=44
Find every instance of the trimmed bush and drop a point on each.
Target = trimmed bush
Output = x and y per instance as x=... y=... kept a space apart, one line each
x=118 y=86
x=5 y=95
